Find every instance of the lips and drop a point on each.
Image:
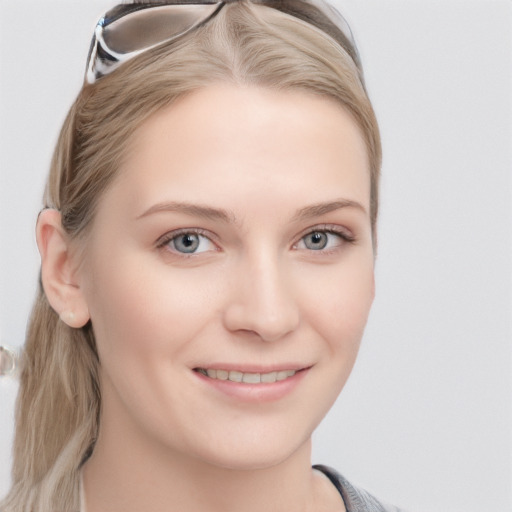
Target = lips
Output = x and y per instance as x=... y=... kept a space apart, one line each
x=250 y=383
x=247 y=377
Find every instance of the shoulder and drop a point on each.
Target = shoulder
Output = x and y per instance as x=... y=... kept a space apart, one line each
x=356 y=500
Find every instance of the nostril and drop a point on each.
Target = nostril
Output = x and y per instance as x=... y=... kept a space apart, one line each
x=262 y=322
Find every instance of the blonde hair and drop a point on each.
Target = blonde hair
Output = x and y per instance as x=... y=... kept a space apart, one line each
x=58 y=408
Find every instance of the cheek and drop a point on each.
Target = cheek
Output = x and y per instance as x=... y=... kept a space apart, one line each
x=336 y=311
x=140 y=309
x=340 y=306
x=144 y=318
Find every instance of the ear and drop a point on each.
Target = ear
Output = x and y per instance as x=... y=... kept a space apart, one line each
x=59 y=270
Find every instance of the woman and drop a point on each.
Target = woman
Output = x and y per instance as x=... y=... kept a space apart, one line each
x=207 y=248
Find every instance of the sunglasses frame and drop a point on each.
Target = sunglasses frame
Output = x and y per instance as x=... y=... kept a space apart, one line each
x=128 y=30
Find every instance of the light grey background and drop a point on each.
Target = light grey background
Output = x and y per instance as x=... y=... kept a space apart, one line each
x=426 y=419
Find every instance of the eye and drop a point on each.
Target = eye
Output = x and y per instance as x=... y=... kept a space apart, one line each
x=323 y=239
x=187 y=242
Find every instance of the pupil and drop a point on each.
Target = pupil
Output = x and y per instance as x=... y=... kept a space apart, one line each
x=188 y=240
x=317 y=238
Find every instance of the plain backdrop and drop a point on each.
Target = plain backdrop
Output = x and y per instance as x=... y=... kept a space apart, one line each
x=426 y=419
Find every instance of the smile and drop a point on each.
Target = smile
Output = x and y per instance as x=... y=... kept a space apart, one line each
x=247 y=378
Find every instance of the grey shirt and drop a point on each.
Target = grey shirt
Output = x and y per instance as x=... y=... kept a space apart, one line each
x=356 y=500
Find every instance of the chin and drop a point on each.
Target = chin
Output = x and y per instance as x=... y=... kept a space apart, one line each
x=255 y=454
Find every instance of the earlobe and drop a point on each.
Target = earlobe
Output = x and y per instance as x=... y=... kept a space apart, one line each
x=58 y=270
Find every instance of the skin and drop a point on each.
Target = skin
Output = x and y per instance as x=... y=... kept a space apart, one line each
x=255 y=171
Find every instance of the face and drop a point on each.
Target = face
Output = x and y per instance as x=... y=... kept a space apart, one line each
x=229 y=274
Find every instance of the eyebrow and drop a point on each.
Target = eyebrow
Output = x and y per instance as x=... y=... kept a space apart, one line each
x=316 y=210
x=196 y=210
x=208 y=212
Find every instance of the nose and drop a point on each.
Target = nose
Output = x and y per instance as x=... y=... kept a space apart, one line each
x=261 y=300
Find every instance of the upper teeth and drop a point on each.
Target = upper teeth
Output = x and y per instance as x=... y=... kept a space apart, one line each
x=248 y=378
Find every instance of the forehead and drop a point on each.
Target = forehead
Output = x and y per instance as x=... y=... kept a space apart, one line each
x=227 y=141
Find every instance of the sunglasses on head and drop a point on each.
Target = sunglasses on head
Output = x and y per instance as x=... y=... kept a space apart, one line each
x=128 y=30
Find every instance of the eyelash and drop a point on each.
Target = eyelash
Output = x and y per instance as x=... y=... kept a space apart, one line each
x=328 y=229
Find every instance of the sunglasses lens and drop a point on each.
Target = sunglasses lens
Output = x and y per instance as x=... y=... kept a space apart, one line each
x=128 y=30
x=149 y=27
